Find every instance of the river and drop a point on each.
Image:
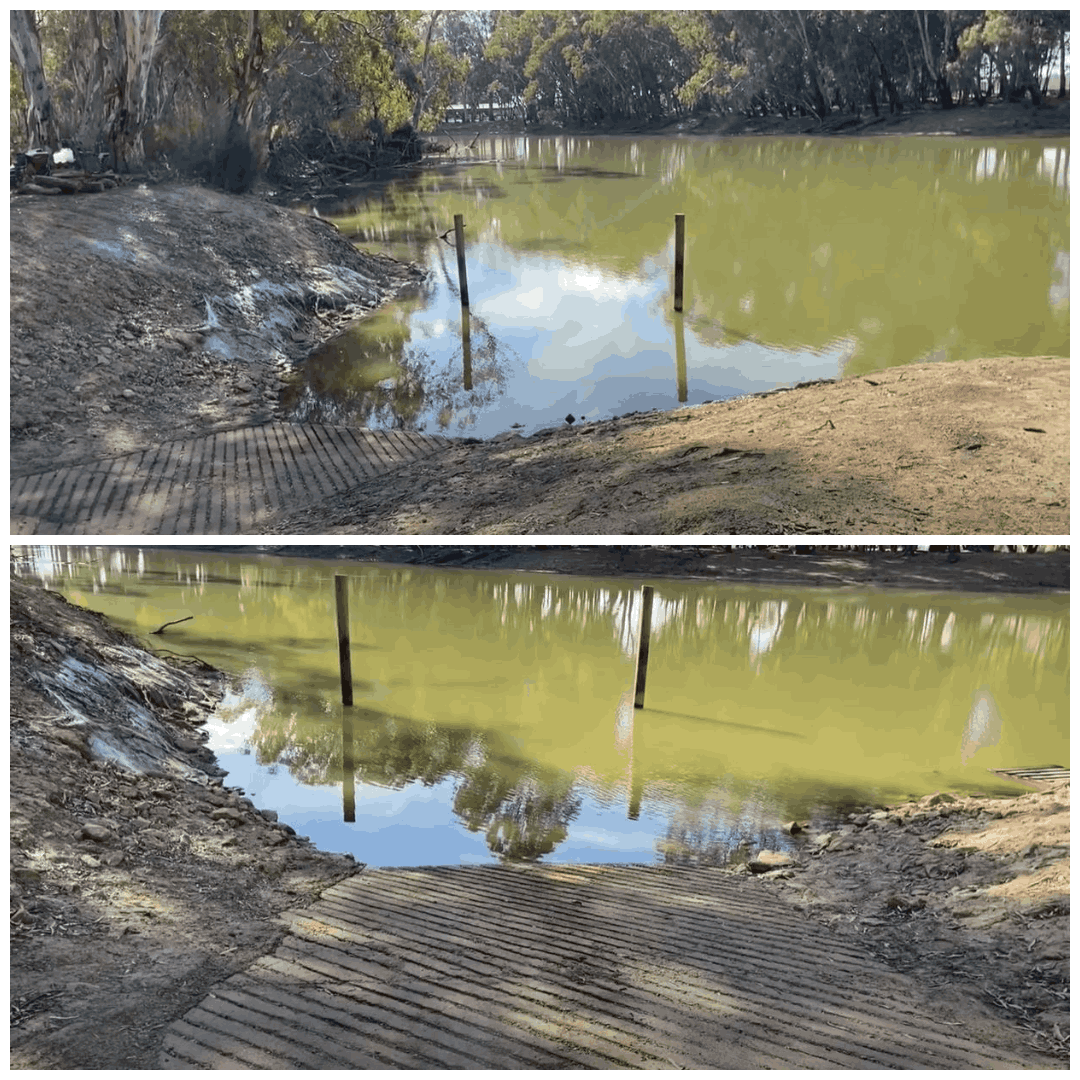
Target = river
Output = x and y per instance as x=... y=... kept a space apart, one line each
x=494 y=712
x=806 y=258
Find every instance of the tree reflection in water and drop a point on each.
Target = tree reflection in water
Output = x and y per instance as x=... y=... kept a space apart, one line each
x=525 y=816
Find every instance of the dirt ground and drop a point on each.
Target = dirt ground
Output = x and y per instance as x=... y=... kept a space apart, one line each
x=132 y=895
x=148 y=313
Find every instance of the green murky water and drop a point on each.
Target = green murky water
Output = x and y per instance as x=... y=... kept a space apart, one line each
x=805 y=259
x=494 y=715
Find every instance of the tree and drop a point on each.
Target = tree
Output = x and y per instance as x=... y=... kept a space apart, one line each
x=26 y=55
x=137 y=33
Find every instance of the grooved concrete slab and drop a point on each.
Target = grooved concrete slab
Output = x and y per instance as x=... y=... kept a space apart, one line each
x=569 y=967
x=217 y=484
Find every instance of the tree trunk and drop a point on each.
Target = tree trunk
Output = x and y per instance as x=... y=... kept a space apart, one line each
x=249 y=75
x=896 y=105
x=99 y=74
x=422 y=92
x=138 y=33
x=26 y=55
x=933 y=70
x=1061 y=70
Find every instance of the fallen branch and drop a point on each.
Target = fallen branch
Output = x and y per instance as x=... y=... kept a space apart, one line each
x=161 y=628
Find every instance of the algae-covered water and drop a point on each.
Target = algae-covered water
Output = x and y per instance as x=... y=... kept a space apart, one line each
x=805 y=258
x=494 y=717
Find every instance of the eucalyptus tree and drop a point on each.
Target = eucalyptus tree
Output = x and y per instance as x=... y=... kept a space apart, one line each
x=26 y=56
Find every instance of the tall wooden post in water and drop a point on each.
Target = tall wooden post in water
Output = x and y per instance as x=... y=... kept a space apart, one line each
x=680 y=247
x=459 y=241
x=348 y=782
x=643 y=646
x=341 y=596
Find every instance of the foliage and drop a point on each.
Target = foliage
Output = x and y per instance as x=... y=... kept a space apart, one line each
x=292 y=69
x=588 y=67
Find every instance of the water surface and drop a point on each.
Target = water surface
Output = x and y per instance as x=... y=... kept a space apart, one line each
x=806 y=259
x=493 y=712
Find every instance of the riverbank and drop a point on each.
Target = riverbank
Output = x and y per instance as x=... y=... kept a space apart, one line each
x=132 y=895
x=970 y=447
x=146 y=313
x=804 y=567
x=998 y=119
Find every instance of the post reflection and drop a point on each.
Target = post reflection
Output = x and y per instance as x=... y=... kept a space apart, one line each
x=680 y=357
x=466 y=349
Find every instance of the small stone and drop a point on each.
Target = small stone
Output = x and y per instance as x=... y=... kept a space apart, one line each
x=128 y=393
x=792 y=828
x=89 y=860
x=767 y=860
x=97 y=833
x=227 y=813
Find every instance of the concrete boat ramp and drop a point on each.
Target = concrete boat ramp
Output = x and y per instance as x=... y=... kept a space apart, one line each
x=223 y=483
x=582 y=967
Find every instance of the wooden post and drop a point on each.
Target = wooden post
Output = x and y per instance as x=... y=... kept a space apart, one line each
x=466 y=348
x=459 y=240
x=680 y=245
x=643 y=646
x=341 y=593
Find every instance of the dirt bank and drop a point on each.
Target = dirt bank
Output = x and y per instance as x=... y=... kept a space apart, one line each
x=973 y=447
x=146 y=313
x=995 y=120
x=819 y=566
x=132 y=894
x=969 y=894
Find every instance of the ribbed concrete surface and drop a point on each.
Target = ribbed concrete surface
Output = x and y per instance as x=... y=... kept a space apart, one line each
x=558 y=967
x=218 y=484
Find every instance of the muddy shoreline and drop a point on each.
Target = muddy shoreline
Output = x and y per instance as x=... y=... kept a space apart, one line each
x=964 y=448
x=805 y=566
x=995 y=119
x=133 y=895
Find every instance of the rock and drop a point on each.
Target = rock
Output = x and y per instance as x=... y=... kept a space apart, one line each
x=860 y=820
x=228 y=813
x=98 y=833
x=90 y=861
x=939 y=798
x=269 y=815
x=767 y=860
x=793 y=828
x=74 y=739
x=904 y=904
